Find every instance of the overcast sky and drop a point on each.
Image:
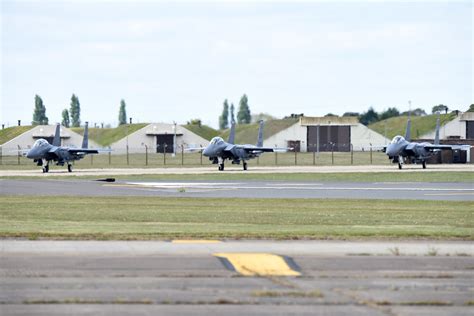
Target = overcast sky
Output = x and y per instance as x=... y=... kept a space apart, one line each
x=180 y=60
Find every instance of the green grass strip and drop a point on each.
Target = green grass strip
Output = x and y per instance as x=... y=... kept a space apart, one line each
x=144 y=218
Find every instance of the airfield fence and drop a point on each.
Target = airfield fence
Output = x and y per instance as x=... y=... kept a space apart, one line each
x=145 y=157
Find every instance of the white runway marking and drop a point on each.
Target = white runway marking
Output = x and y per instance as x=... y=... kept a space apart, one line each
x=283 y=186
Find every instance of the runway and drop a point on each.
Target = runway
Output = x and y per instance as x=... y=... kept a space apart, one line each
x=176 y=278
x=243 y=189
x=230 y=169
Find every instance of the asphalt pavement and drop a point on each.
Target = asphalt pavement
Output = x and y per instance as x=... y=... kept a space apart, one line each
x=242 y=189
x=149 y=278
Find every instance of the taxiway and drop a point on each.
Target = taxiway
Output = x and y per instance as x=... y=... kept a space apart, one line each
x=243 y=189
x=332 y=278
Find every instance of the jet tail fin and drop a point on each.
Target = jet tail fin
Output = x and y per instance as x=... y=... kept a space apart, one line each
x=436 y=139
x=85 y=139
x=231 y=139
x=260 y=134
x=408 y=132
x=57 y=136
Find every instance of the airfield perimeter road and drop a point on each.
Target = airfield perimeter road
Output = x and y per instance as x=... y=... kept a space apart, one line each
x=183 y=277
x=242 y=189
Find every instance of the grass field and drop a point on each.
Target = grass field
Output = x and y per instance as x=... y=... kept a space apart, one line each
x=107 y=136
x=419 y=125
x=12 y=132
x=204 y=131
x=167 y=218
x=247 y=133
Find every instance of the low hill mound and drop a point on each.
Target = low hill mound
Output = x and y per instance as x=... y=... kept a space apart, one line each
x=248 y=133
x=9 y=133
x=420 y=125
x=204 y=131
x=108 y=136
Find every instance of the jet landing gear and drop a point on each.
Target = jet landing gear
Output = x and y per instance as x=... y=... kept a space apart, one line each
x=220 y=161
x=423 y=163
x=400 y=162
x=46 y=167
x=245 y=165
x=69 y=167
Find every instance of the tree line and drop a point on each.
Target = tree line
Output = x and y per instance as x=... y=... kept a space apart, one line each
x=227 y=118
x=71 y=117
x=371 y=116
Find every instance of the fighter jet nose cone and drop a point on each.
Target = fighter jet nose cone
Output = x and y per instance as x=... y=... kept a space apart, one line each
x=390 y=151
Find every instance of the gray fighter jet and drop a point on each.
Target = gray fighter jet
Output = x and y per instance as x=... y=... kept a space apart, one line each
x=43 y=152
x=219 y=150
x=401 y=149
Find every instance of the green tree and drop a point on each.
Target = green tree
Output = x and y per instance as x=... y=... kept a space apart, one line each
x=349 y=114
x=388 y=113
x=196 y=121
x=244 y=116
x=75 y=111
x=440 y=108
x=232 y=115
x=122 y=113
x=65 y=122
x=39 y=113
x=224 y=118
x=369 y=117
x=471 y=108
x=262 y=117
x=415 y=112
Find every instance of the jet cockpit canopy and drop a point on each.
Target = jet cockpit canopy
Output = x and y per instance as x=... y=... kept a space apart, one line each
x=397 y=139
x=40 y=143
x=216 y=140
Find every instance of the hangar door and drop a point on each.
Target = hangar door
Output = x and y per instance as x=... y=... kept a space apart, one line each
x=469 y=129
x=162 y=140
x=340 y=136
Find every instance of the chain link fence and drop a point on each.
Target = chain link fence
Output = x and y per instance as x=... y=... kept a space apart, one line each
x=149 y=157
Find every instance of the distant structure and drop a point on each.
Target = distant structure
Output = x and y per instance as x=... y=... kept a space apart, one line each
x=461 y=127
x=327 y=134
x=26 y=140
x=159 y=137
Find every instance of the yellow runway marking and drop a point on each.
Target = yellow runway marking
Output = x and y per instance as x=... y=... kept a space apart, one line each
x=194 y=241
x=258 y=264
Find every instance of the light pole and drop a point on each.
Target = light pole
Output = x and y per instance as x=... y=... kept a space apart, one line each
x=174 y=138
x=317 y=140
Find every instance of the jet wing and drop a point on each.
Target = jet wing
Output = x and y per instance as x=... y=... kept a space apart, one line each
x=230 y=147
x=437 y=147
x=82 y=151
x=194 y=149
x=255 y=149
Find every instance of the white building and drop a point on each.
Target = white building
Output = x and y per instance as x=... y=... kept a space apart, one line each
x=327 y=134
x=27 y=139
x=159 y=137
x=462 y=127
